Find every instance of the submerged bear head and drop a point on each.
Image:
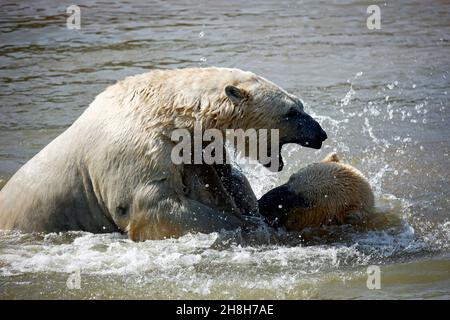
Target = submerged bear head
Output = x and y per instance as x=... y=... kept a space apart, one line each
x=328 y=192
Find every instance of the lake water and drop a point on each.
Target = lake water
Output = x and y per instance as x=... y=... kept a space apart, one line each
x=382 y=96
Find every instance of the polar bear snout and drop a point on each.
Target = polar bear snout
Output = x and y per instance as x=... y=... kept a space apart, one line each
x=304 y=130
x=276 y=205
x=311 y=133
x=316 y=136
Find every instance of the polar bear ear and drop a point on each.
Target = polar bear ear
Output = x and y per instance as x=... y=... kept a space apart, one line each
x=332 y=157
x=235 y=94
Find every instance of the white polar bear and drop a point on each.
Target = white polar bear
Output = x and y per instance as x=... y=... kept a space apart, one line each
x=112 y=171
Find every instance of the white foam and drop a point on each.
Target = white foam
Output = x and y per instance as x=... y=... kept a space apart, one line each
x=105 y=254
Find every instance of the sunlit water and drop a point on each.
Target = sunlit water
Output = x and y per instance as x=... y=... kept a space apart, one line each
x=382 y=96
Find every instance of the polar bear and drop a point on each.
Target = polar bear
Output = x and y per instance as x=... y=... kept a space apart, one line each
x=324 y=193
x=111 y=170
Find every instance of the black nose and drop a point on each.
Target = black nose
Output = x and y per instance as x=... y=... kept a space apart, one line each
x=323 y=135
x=319 y=133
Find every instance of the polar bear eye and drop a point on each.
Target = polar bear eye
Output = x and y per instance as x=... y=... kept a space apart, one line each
x=121 y=210
x=292 y=113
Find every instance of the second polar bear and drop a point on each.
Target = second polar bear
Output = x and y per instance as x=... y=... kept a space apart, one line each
x=324 y=193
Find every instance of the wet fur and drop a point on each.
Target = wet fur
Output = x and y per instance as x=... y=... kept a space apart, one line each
x=324 y=193
x=111 y=170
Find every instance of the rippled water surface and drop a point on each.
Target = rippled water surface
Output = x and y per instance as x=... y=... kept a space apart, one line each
x=382 y=95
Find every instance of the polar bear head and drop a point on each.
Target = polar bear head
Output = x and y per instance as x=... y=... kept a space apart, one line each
x=221 y=98
x=254 y=102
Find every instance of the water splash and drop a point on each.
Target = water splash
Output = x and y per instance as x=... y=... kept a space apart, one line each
x=351 y=93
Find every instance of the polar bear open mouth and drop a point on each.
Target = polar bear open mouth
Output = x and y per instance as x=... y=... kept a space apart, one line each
x=314 y=144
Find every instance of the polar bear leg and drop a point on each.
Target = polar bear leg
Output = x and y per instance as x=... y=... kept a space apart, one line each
x=238 y=186
x=159 y=213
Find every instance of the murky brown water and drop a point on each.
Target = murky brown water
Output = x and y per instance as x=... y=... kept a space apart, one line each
x=382 y=95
